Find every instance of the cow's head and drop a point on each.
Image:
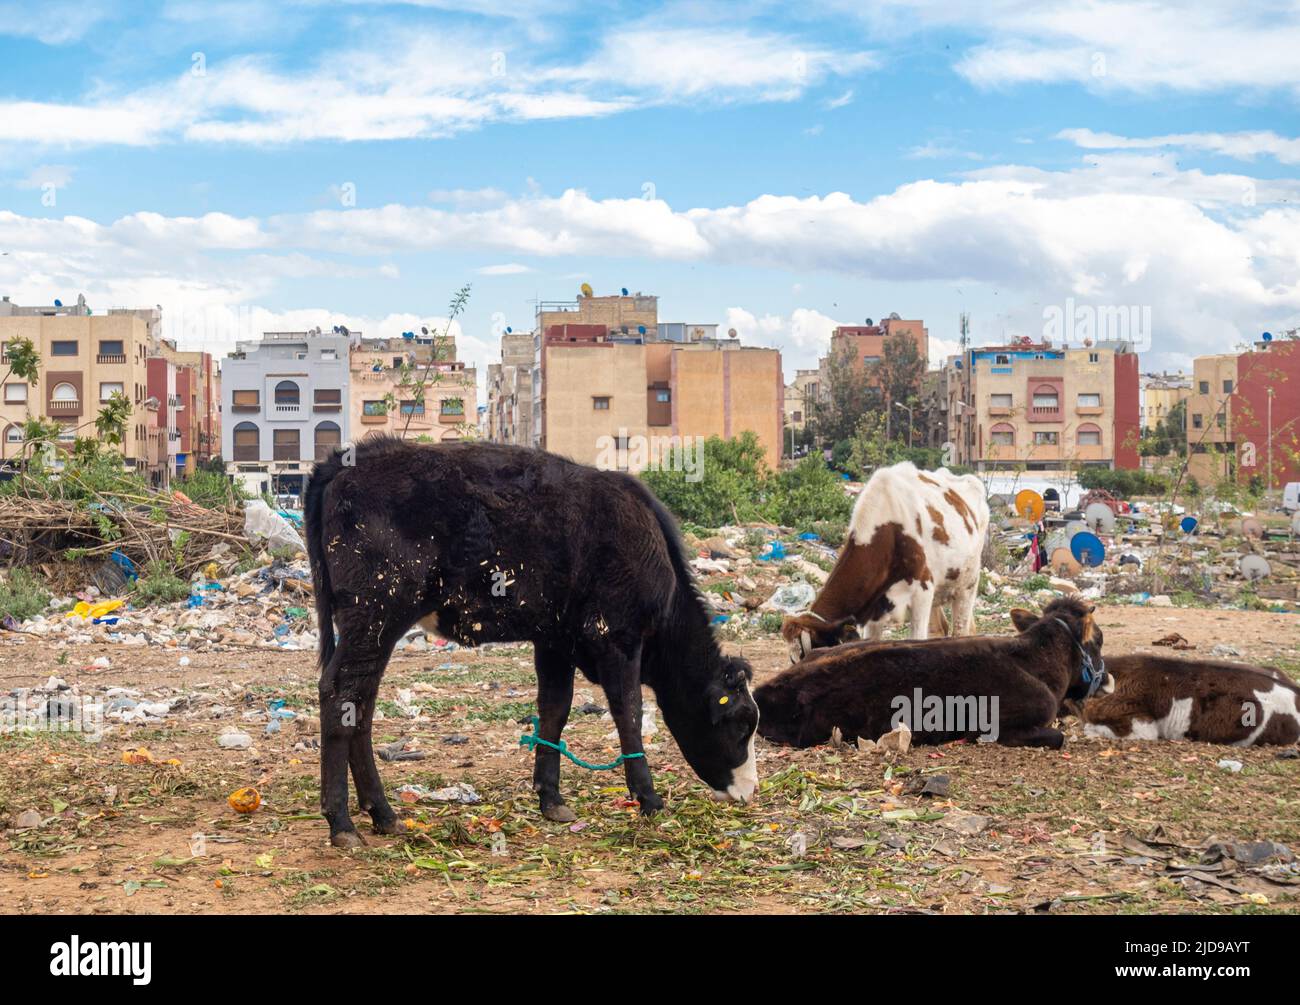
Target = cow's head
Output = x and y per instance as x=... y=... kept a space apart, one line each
x=1075 y=617
x=808 y=631
x=715 y=729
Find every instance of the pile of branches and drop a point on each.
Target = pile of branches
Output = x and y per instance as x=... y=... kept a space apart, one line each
x=146 y=528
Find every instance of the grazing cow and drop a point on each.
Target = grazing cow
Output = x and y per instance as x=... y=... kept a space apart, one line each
x=485 y=542
x=915 y=541
x=863 y=687
x=1167 y=698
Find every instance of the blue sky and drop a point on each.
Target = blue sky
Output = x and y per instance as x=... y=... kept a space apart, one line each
x=773 y=169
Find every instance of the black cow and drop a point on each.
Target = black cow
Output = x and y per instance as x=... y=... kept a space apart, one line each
x=486 y=542
x=862 y=688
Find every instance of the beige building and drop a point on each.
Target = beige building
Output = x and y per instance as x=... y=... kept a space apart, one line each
x=1042 y=407
x=1161 y=393
x=509 y=414
x=1210 y=442
x=85 y=359
x=800 y=397
x=378 y=402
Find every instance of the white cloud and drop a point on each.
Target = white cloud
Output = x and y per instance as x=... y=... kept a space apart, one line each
x=802 y=338
x=55 y=175
x=403 y=85
x=508 y=269
x=1246 y=146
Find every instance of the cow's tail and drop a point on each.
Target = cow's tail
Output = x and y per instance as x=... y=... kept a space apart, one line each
x=314 y=528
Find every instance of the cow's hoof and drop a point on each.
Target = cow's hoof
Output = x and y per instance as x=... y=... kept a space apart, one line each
x=650 y=804
x=560 y=813
x=394 y=826
x=347 y=840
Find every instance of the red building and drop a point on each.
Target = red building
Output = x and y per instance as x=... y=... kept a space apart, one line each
x=1265 y=415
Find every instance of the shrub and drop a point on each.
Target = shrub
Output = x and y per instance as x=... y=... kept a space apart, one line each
x=159 y=584
x=22 y=595
x=212 y=489
x=1124 y=483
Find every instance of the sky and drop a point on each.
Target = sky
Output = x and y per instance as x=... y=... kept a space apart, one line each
x=774 y=168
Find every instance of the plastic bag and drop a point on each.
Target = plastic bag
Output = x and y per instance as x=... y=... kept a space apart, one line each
x=261 y=523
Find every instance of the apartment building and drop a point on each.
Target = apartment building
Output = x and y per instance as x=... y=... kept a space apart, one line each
x=164 y=411
x=864 y=344
x=378 y=403
x=285 y=402
x=509 y=412
x=85 y=359
x=198 y=386
x=1042 y=407
x=800 y=397
x=1243 y=415
x=1161 y=393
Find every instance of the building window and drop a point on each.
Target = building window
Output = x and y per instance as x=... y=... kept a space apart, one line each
x=328 y=436
x=1227 y=387
x=328 y=398
x=1198 y=420
x=247 y=442
x=1043 y=438
x=1089 y=436
x=1204 y=386
x=284 y=445
x=1094 y=357
x=374 y=408
x=600 y=404
x=1220 y=420
x=1090 y=401
x=68 y=434
x=64 y=392
x=412 y=408
x=15 y=394
x=1047 y=398
x=108 y=388
x=666 y=396
x=796 y=417
x=14 y=434
x=1002 y=435
x=869 y=360
x=287 y=394
x=329 y=354
x=63 y=348
x=1002 y=359
x=111 y=348
x=244 y=401
x=452 y=406
x=1000 y=401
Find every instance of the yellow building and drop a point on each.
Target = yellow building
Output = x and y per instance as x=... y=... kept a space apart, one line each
x=1161 y=393
x=800 y=397
x=85 y=359
x=1210 y=443
x=379 y=404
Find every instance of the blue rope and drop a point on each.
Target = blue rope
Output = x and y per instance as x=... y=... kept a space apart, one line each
x=532 y=740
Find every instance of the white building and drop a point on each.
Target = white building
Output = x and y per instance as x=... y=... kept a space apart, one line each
x=285 y=403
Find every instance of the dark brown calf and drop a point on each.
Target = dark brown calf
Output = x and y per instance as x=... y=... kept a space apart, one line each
x=1166 y=698
x=1012 y=686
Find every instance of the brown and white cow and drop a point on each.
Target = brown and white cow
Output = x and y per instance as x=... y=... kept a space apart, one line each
x=1166 y=698
x=915 y=541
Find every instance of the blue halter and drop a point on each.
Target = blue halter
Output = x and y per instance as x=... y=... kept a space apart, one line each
x=1093 y=675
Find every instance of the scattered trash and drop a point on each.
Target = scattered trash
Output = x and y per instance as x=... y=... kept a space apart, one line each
x=261 y=523
x=234 y=739
x=1230 y=765
x=244 y=800
x=791 y=599
x=460 y=792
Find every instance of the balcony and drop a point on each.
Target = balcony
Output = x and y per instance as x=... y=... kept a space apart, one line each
x=110 y=357
x=65 y=406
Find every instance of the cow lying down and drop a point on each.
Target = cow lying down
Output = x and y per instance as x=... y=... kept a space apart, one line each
x=1165 y=698
x=1003 y=689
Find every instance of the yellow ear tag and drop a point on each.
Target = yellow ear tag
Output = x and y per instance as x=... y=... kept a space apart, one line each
x=723 y=700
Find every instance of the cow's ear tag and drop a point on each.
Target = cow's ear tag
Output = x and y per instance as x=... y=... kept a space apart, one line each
x=723 y=700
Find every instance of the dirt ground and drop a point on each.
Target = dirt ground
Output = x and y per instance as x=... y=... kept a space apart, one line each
x=1098 y=827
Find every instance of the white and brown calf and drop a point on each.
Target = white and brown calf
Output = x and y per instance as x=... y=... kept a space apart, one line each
x=915 y=541
x=1165 y=698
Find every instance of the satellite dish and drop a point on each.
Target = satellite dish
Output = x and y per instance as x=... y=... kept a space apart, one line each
x=1074 y=527
x=731 y=332
x=1087 y=548
x=1268 y=336
x=893 y=316
x=509 y=330
x=624 y=291
x=425 y=331
x=586 y=289
x=408 y=335
x=1100 y=518
x=1029 y=504
x=1253 y=567
x=1250 y=527
x=640 y=329
x=1189 y=524
x=58 y=303
x=1064 y=564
